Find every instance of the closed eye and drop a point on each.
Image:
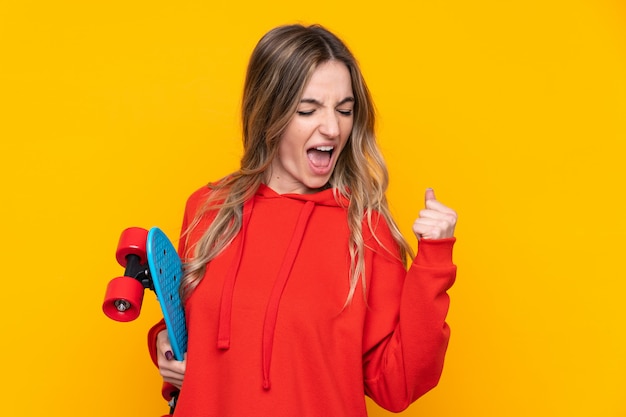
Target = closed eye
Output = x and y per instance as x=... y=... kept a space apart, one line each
x=345 y=106
x=310 y=112
x=315 y=103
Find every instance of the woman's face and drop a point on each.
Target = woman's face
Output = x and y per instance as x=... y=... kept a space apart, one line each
x=312 y=141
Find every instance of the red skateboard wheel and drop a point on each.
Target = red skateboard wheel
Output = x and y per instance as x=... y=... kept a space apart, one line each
x=132 y=242
x=123 y=298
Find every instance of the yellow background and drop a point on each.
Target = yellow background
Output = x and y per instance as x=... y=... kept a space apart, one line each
x=514 y=111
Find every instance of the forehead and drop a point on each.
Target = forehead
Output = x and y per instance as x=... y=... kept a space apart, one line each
x=331 y=78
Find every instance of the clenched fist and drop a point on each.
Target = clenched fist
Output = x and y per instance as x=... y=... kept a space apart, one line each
x=435 y=221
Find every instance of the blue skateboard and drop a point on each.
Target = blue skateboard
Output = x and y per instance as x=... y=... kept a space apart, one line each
x=150 y=261
x=166 y=271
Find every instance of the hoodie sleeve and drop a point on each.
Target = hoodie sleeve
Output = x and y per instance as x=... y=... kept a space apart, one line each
x=406 y=334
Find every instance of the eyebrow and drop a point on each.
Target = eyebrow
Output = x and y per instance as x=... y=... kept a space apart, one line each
x=318 y=103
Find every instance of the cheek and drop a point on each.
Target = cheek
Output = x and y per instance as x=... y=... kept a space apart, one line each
x=346 y=128
x=290 y=146
x=297 y=133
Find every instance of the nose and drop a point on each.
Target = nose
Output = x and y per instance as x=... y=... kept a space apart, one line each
x=329 y=125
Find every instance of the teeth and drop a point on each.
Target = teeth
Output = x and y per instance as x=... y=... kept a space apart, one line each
x=324 y=148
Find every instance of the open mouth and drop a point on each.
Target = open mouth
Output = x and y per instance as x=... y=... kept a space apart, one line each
x=320 y=156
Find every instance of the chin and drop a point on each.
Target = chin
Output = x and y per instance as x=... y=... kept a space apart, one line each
x=317 y=185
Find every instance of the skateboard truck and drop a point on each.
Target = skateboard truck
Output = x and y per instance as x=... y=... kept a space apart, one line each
x=124 y=295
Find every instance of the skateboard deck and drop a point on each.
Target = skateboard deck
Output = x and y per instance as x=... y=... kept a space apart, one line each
x=166 y=272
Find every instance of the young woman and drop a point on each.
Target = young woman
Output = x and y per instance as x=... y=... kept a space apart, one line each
x=297 y=295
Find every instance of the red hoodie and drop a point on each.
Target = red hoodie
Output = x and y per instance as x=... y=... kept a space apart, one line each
x=268 y=331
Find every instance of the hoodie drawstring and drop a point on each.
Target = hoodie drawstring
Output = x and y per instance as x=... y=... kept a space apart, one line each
x=226 y=306
x=271 y=314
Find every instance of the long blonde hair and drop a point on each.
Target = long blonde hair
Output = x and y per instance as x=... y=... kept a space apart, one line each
x=280 y=67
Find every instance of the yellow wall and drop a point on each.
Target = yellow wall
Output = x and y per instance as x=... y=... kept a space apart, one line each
x=113 y=111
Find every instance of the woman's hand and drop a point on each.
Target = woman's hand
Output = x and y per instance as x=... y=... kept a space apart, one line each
x=436 y=221
x=171 y=370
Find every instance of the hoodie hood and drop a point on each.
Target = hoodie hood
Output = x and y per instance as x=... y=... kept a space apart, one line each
x=310 y=201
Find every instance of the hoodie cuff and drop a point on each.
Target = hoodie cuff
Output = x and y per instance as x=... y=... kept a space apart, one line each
x=436 y=252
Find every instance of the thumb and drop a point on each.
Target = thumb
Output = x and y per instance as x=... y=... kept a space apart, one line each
x=429 y=195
